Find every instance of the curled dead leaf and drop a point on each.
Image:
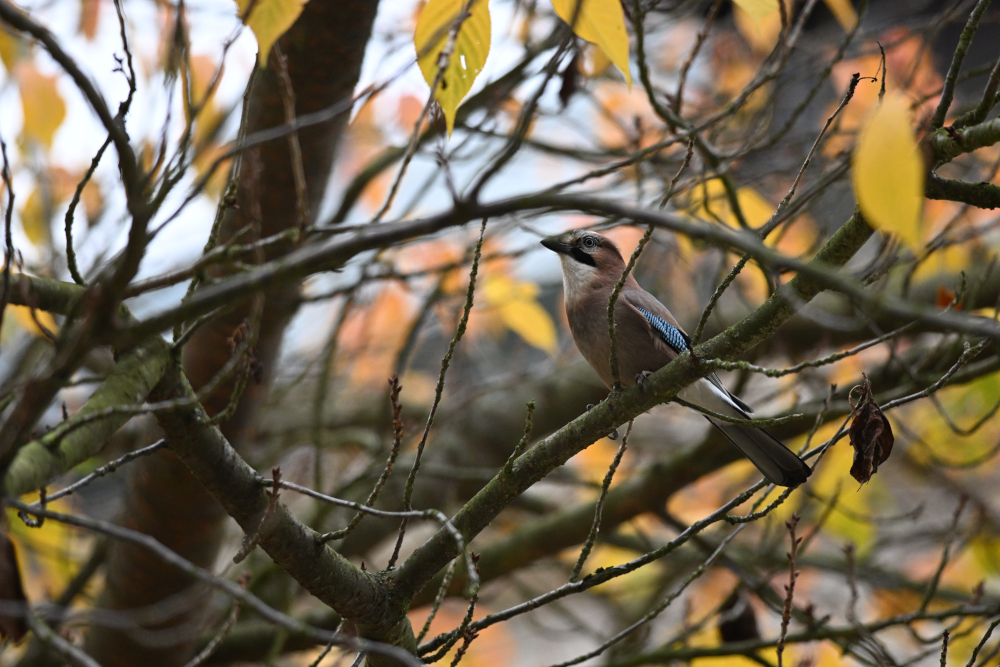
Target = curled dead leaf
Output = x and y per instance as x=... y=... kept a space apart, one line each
x=737 y=622
x=870 y=433
x=570 y=80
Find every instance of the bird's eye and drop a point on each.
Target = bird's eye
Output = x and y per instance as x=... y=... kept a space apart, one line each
x=589 y=242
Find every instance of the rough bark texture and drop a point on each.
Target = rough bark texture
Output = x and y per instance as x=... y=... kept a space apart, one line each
x=324 y=52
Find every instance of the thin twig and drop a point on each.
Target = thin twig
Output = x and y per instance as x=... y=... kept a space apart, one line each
x=77 y=194
x=659 y=608
x=439 y=390
x=616 y=291
x=945 y=553
x=105 y=469
x=982 y=642
x=449 y=574
x=442 y=65
x=964 y=42
x=294 y=149
x=464 y=629
x=776 y=218
x=606 y=574
x=230 y=588
x=61 y=646
x=786 y=612
x=205 y=653
x=797 y=368
x=698 y=42
x=467 y=639
x=397 y=439
x=595 y=526
x=8 y=216
x=522 y=444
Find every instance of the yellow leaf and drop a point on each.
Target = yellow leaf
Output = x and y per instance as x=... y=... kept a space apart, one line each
x=11 y=49
x=532 y=323
x=713 y=203
x=269 y=20
x=601 y=22
x=888 y=174
x=22 y=314
x=49 y=555
x=843 y=11
x=759 y=21
x=757 y=10
x=471 y=47
x=34 y=219
x=43 y=107
x=516 y=305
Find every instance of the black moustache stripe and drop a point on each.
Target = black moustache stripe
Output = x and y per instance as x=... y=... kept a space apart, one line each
x=579 y=255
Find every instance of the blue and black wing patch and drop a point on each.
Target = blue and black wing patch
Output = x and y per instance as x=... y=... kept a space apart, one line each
x=668 y=333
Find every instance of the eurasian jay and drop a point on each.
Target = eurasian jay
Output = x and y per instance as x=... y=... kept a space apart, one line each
x=648 y=337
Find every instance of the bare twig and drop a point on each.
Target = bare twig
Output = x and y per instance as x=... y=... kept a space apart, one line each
x=442 y=66
x=7 y=217
x=294 y=149
x=70 y=254
x=205 y=653
x=439 y=390
x=229 y=588
x=793 y=574
x=964 y=42
x=68 y=650
x=698 y=42
x=397 y=439
x=105 y=469
x=438 y=599
x=522 y=444
x=945 y=553
x=595 y=527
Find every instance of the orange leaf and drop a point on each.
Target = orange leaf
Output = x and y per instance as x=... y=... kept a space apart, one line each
x=90 y=11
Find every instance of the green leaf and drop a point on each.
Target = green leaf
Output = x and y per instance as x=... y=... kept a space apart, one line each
x=269 y=20
x=888 y=174
x=435 y=27
x=601 y=22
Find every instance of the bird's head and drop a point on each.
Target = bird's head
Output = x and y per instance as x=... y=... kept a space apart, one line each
x=586 y=257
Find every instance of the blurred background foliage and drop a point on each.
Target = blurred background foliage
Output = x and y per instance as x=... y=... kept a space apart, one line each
x=326 y=419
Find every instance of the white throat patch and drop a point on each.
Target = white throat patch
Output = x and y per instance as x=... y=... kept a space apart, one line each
x=577 y=276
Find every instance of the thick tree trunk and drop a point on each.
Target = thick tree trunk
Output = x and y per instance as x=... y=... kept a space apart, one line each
x=324 y=52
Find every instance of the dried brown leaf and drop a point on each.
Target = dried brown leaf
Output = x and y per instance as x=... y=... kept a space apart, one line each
x=737 y=622
x=871 y=435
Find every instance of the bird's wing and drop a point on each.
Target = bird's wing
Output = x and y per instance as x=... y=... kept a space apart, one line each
x=659 y=318
x=773 y=459
x=669 y=331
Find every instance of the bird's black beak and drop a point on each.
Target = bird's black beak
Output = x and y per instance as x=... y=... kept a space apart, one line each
x=555 y=245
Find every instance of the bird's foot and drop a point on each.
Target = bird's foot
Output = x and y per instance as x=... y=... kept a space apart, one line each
x=590 y=406
x=613 y=435
x=640 y=379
